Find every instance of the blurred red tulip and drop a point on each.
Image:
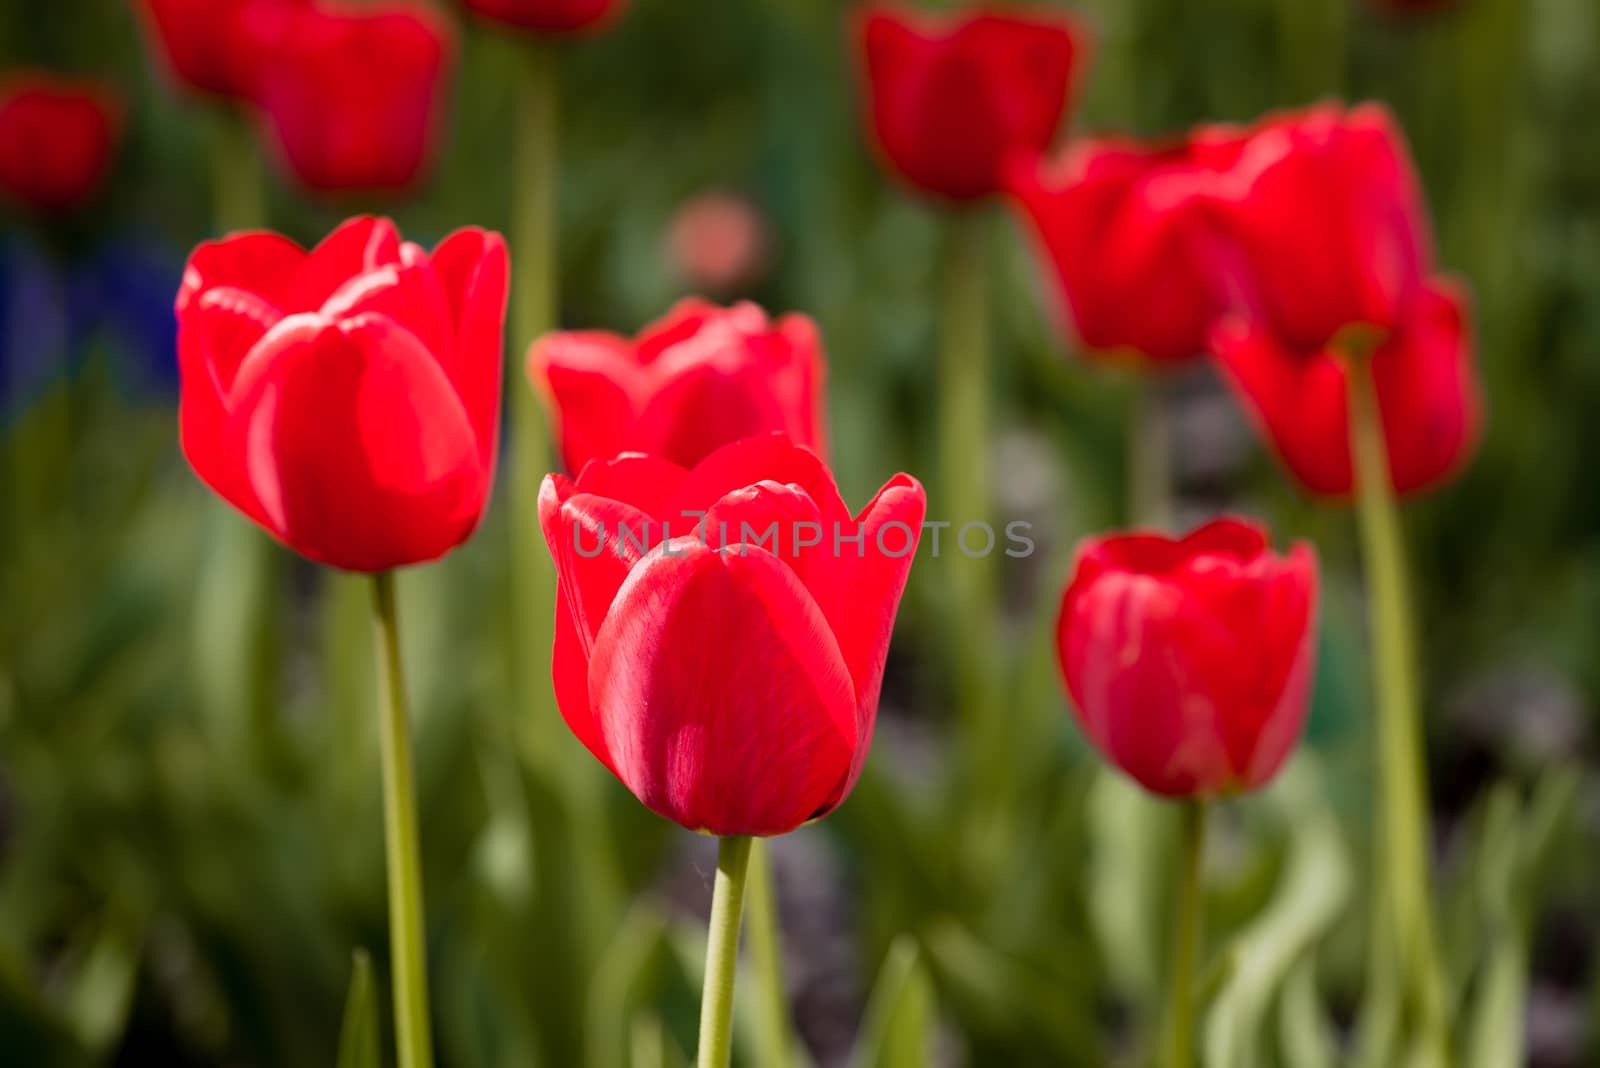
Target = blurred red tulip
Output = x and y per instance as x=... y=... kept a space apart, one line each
x=346 y=399
x=1189 y=661
x=215 y=46
x=1325 y=209
x=1130 y=235
x=687 y=385
x=717 y=242
x=550 y=16
x=1426 y=386
x=56 y=140
x=952 y=101
x=728 y=677
x=355 y=96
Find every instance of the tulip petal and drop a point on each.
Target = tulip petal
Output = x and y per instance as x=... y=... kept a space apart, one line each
x=863 y=595
x=590 y=381
x=768 y=457
x=359 y=245
x=721 y=693
x=356 y=444
x=406 y=291
x=648 y=483
x=474 y=269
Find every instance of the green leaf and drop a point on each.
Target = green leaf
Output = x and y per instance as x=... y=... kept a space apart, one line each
x=358 y=1036
x=1313 y=890
x=898 y=1029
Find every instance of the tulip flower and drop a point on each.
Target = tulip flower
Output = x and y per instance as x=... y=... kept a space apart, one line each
x=721 y=631
x=56 y=140
x=550 y=16
x=1189 y=660
x=694 y=381
x=1129 y=233
x=214 y=46
x=1427 y=395
x=347 y=399
x=952 y=101
x=1326 y=214
x=1189 y=663
x=354 y=97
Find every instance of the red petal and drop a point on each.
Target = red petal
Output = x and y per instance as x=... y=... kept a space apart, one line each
x=648 y=483
x=356 y=444
x=589 y=380
x=744 y=463
x=721 y=693
x=474 y=269
x=863 y=596
x=408 y=293
x=359 y=245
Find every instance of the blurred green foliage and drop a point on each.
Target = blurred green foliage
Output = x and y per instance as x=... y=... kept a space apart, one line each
x=182 y=882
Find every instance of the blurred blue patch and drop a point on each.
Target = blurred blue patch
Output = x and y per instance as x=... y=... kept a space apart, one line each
x=116 y=304
x=33 y=322
x=121 y=299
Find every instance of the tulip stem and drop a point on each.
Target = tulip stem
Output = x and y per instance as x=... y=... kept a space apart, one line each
x=238 y=195
x=533 y=312
x=407 y=949
x=1186 y=935
x=722 y=953
x=766 y=953
x=1405 y=935
x=963 y=439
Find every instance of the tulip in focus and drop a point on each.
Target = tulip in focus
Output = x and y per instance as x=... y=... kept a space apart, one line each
x=721 y=632
x=1130 y=236
x=1189 y=661
x=1326 y=213
x=56 y=140
x=550 y=16
x=346 y=399
x=354 y=96
x=215 y=46
x=1426 y=386
x=951 y=102
x=696 y=380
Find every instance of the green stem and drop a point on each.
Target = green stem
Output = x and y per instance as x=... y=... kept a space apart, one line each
x=722 y=953
x=533 y=312
x=766 y=955
x=237 y=190
x=1179 y=1029
x=963 y=440
x=1403 y=872
x=407 y=944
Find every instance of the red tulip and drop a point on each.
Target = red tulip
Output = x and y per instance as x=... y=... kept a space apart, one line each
x=952 y=101
x=354 y=97
x=56 y=139
x=1189 y=661
x=1325 y=208
x=1426 y=387
x=215 y=46
x=346 y=399
x=1130 y=233
x=687 y=385
x=550 y=16
x=721 y=632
